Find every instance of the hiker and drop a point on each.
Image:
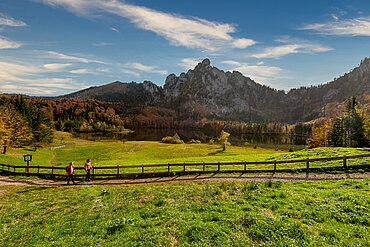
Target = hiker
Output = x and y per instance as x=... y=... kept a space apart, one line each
x=70 y=173
x=88 y=168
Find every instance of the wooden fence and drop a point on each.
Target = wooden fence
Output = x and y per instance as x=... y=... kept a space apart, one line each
x=276 y=166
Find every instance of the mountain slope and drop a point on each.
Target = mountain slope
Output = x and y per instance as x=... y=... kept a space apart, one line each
x=207 y=91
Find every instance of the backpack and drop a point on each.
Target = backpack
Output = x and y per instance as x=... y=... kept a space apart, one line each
x=68 y=169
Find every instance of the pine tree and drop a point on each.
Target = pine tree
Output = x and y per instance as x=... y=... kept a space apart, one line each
x=353 y=125
x=336 y=134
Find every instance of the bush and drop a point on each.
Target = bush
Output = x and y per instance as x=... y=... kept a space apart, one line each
x=194 y=141
x=172 y=139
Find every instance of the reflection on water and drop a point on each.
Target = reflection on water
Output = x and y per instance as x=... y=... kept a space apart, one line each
x=265 y=141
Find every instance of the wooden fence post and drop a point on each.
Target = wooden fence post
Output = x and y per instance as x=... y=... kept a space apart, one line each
x=15 y=169
x=142 y=169
x=345 y=161
x=184 y=167
x=117 y=169
x=38 y=169
x=168 y=168
x=218 y=167
x=245 y=166
x=52 y=170
x=274 y=166
x=204 y=167
x=8 y=168
x=93 y=171
x=308 y=163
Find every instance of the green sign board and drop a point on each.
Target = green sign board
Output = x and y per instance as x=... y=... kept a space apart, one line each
x=28 y=157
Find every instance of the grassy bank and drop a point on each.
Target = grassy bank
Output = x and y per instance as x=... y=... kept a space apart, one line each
x=334 y=213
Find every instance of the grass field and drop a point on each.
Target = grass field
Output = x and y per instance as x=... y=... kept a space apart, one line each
x=113 y=153
x=325 y=213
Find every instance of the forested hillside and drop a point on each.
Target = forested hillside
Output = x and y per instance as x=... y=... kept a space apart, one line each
x=23 y=122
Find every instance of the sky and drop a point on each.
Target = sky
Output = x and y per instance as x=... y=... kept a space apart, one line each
x=55 y=47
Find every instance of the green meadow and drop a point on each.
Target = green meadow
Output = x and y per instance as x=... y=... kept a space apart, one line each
x=321 y=213
x=113 y=153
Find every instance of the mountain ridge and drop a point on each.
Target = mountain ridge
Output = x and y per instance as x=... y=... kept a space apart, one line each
x=215 y=94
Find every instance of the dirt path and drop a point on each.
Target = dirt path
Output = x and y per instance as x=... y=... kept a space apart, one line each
x=4 y=180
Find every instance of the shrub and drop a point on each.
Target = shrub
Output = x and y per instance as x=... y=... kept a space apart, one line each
x=194 y=141
x=172 y=139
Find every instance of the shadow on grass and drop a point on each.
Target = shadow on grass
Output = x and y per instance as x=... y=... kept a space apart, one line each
x=216 y=152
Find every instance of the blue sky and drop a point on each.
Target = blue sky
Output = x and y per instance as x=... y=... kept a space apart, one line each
x=54 y=47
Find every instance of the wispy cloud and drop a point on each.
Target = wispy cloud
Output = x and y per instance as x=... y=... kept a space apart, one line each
x=81 y=71
x=114 y=29
x=291 y=46
x=56 y=67
x=16 y=88
x=34 y=79
x=259 y=73
x=53 y=54
x=189 y=63
x=9 y=21
x=352 y=27
x=8 y=44
x=191 y=32
x=103 y=44
x=145 y=68
x=130 y=72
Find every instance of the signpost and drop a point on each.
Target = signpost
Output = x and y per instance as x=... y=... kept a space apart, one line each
x=28 y=158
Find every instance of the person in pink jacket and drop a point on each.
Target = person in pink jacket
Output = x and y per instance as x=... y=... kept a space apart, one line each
x=70 y=173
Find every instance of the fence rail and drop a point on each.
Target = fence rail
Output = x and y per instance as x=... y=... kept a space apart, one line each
x=203 y=167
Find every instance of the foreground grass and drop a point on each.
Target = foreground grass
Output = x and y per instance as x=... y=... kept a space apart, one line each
x=334 y=213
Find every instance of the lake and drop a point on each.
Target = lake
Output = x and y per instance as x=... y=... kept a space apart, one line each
x=280 y=142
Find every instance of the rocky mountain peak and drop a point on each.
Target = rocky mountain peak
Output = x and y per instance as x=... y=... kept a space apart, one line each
x=205 y=64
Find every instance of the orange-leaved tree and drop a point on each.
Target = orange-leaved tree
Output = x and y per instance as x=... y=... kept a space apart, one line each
x=14 y=131
x=319 y=137
x=224 y=137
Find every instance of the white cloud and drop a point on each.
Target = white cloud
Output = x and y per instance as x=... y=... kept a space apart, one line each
x=31 y=79
x=114 y=29
x=103 y=44
x=104 y=70
x=53 y=54
x=81 y=71
x=9 y=21
x=259 y=73
x=8 y=44
x=231 y=62
x=130 y=72
x=353 y=27
x=146 y=68
x=190 y=32
x=12 y=88
x=55 y=67
x=242 y=43
x=291 y=47
x=189 y=63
